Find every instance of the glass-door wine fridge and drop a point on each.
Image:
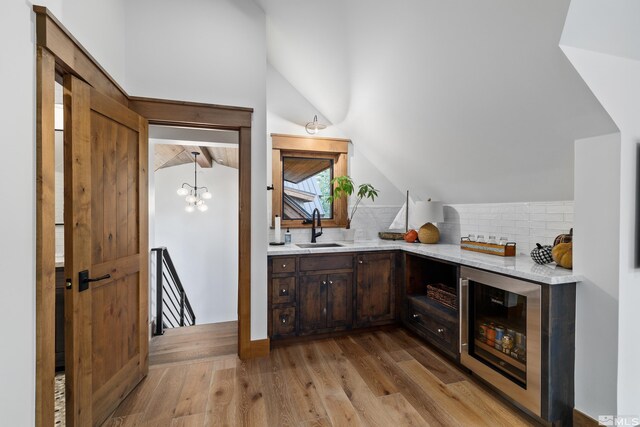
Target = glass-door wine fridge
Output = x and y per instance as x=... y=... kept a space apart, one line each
x=500 y=322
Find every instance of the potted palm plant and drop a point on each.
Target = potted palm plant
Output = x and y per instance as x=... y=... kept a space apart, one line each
x=345 y=187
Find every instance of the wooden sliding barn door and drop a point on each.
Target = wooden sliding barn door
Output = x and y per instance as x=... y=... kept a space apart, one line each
x=106 y=254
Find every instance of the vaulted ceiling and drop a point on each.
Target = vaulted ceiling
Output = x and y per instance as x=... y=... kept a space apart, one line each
x=175 y=146
x=464 y=101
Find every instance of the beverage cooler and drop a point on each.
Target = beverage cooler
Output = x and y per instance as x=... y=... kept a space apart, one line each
x=500 y=333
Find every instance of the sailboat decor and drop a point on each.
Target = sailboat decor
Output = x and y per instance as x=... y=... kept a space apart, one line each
x=401 y=221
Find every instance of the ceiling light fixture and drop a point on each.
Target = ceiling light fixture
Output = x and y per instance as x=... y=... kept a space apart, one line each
x=195 y=196
x=314 y=127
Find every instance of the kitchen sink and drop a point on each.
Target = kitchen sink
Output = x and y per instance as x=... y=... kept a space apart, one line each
x=318 y=245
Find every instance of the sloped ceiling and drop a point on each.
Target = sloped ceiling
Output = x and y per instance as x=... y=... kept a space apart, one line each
x=464 y=101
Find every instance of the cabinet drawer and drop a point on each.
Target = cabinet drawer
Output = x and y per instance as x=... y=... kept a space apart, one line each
x=438 y=329
x=326 y=262
x=283 y=290
x=284 y=321
x=284 y=265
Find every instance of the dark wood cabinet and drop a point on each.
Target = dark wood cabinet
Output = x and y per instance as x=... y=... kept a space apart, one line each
x=325 y=302
x=375 y=289
x=339 y=297
x=313 y=303
x=283 y=290
x=433 y=321
x=314 y=294
x=337 y=292
x=283 y=321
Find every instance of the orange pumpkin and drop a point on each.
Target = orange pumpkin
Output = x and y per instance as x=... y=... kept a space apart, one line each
x=411 y=236
x=564 y=238
x=562 y=254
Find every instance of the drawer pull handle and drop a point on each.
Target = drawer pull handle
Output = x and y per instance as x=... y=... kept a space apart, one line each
x=441 y=331
x=284 y=318
x=284 y=265
x=360 y=261
x=331 y=282
x=324 y=310
x=415 y=315
x=284 y=292
x=324 y=282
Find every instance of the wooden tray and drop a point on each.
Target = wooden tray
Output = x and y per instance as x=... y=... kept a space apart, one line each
x=390 y=235
x=488 y=248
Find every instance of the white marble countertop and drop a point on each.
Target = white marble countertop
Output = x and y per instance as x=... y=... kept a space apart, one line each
x=520 y=266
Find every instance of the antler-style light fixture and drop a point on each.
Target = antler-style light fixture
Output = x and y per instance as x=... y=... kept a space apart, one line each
x=195 y=195
x=314 y=127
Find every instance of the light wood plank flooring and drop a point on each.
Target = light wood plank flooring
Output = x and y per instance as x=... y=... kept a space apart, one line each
x=193 y=343
x=383 y=378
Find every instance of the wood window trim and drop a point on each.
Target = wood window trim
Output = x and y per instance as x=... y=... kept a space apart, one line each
x=313 y=147
x=59 y=53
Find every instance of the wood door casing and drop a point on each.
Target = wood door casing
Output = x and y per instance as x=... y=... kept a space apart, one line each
x=106 y=204
x=375 y=289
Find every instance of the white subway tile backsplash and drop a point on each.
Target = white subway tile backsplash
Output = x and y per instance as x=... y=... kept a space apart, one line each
x=559 y=225
x=537 y=224
x=562 y=208
x=524 y=223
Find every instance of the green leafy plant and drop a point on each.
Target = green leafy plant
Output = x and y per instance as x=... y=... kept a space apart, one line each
x=345 y=187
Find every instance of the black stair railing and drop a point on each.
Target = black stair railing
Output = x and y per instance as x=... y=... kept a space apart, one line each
x=173 y=308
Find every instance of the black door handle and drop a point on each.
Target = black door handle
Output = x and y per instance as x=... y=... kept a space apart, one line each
x=84 y=279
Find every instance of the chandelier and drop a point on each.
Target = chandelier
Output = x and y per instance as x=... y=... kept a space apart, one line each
x=195 y=196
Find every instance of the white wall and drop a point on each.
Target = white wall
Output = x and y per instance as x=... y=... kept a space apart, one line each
x=202 y=245
x=288 y=111
x=17 y=367
x=212 y=52
x=466 y=101
x=104 y=36
x=595 y=257
x=600 y=39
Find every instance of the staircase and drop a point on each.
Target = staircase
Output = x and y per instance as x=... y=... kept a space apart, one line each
x=173 y=308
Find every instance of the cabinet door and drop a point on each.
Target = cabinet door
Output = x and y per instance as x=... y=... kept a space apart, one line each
x=375 y=289
x=339 y=297
x=312 y=307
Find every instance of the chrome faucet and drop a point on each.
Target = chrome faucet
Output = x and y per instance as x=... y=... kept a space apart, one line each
x=313 y=225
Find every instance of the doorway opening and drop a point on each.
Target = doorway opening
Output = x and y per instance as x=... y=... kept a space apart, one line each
x=193 y=233
x=59 y=54
x=59 y=387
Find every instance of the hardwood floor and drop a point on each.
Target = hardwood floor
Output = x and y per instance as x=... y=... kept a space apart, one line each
x=193 y=343
x=383 y=378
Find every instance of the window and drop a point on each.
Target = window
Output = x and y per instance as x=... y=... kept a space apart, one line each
x=306 y=186
x=303 y=168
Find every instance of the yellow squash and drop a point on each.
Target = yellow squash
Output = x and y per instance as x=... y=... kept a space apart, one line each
x=562 y=254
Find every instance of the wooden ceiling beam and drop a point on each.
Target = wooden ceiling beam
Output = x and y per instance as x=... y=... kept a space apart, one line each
x=164 y=154
x=225 y=156
x=204 y=160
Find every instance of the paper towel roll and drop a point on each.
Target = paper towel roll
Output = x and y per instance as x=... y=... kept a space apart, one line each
x=277 y=229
